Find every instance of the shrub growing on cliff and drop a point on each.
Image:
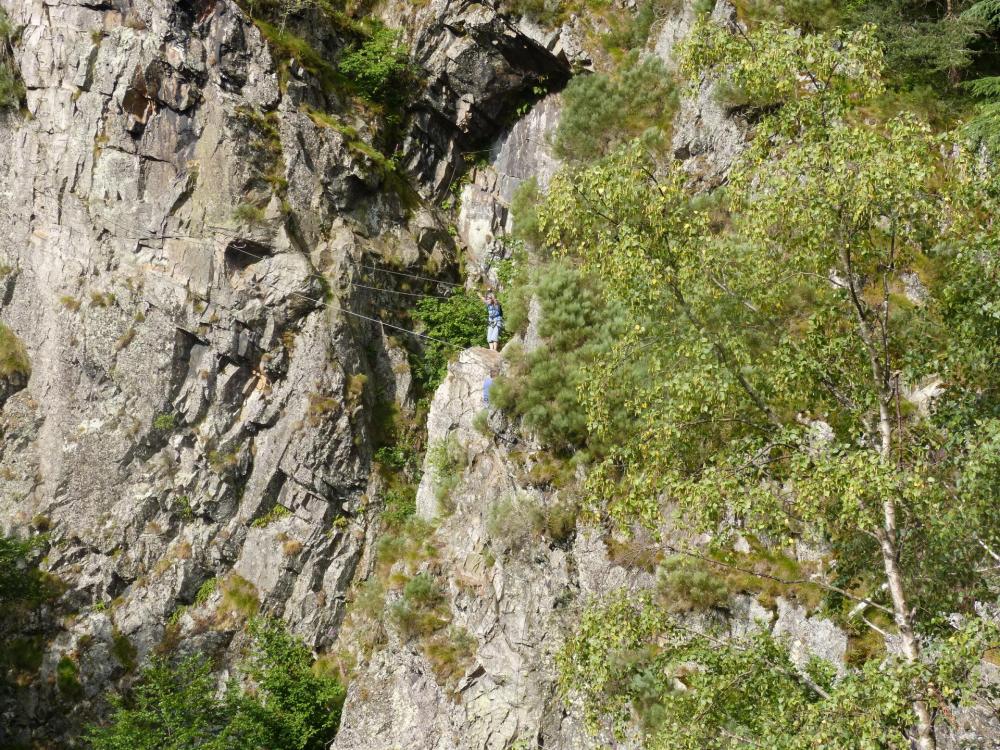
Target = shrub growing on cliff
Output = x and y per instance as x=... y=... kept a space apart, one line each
x=603 y=110
x=380 y=68
x=456 y=322
x=178 y=706
x=11 y=86
x=13 y=357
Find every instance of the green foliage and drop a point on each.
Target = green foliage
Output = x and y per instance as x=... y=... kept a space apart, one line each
x=546 y=12
x=24 y=589
x=398 y=462
x=177 y=706
x=778 y=349
x=423 y=608
x=601 y=111
x=446 y=459
x=411 y=544
x=275 y=514
x=206 y=590
x=608 y=641
x=239 y=596
x=247 y=213
x=13 y=357
x=543 y=387
x=11 y=85
x=459 y=321
x=164 y=422
x=628 y=656
x=633 y=31
x=686 y=583
x=20 y=580
x=400 y=505
x=124 y=651
x=450 y=652
x=517 y=520
x=984 y=126
x=524 y=209
x=294 y=707
x=812 y=15
x=380 y=68
x=844 y=68
x=68 y=679
x=173 y=708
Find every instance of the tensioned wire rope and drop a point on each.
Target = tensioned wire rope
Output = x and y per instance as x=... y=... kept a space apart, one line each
x=226 y=231
x=318 y=302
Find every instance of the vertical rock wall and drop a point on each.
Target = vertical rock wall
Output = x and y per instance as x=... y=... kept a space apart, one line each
x=182 y=233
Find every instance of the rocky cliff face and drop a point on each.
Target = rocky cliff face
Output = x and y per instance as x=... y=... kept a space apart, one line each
x=516 y=582
x=180 y=233
x=184 y=214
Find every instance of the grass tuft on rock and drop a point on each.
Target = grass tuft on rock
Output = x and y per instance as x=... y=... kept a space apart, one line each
x=13 y=357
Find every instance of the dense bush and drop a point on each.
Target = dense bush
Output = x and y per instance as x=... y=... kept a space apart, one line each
x=11 y=86
x=380 y=67
x=177 y=706
x=453 y=323
x=543 y=386
x=13 y=357
x=603 y=110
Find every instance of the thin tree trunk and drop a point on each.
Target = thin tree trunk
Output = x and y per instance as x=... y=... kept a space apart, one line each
x=904 y=619
x=888 y=543
x=954 y=74
x=888 y=535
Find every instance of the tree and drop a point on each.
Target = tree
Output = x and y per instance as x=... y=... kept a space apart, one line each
x=780 y=354
x=452 y=323
x=576 y=324
x=285 y=706
x=380 y=67
x=291 y=707
x=172 y=708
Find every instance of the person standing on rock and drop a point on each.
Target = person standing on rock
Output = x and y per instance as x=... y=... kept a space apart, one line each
x=494 y=323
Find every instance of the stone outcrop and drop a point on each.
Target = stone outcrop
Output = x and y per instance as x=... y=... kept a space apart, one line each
x=708 y=137
x=481 y=65
x=182 y=236
x=522 y=153
x=519 y=593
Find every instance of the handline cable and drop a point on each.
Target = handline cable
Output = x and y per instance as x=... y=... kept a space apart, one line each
x=393 y=291
x=317 y=302
x=400 y=273
x=323 y=303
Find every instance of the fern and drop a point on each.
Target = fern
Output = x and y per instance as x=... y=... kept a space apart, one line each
x=984 y=127
x=986 y=12
x=984 y=88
